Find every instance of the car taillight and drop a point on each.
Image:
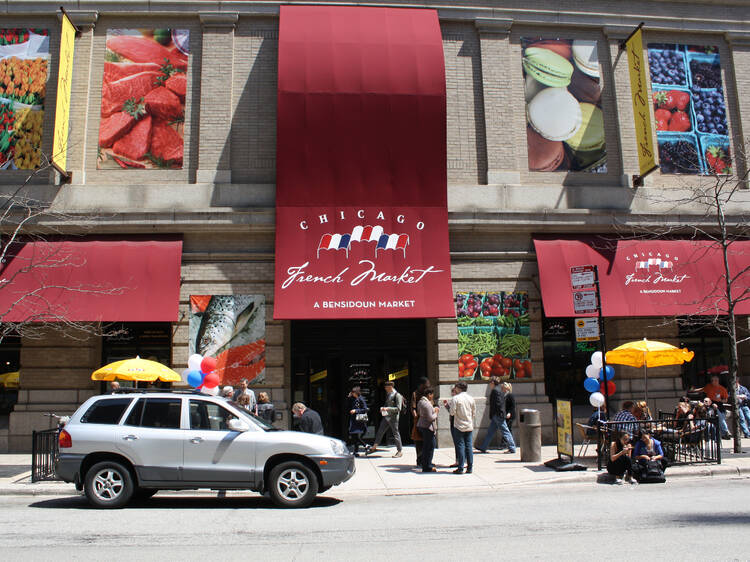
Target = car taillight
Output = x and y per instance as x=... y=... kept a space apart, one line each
x=64 y=440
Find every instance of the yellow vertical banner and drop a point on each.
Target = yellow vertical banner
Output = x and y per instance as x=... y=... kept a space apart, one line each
x=564 y=428
x=641 y=113
x=64 y=83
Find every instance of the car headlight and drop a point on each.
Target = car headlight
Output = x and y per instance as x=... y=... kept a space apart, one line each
x=339 y=447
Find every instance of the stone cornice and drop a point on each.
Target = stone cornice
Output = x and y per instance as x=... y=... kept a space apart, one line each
x=82 y=19
x=218 y=19
x=494 y=26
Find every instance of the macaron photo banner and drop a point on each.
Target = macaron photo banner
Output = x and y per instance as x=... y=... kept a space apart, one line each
x=565 y=123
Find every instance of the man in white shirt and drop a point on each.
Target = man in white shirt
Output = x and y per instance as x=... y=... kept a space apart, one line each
x=464 y=411
x=243 y=389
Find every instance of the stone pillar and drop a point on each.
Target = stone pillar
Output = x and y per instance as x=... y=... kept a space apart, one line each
x=736 y=81
x=214 y=162
x=494 y=44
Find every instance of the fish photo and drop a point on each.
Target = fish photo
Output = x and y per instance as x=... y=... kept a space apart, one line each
x=230 y=328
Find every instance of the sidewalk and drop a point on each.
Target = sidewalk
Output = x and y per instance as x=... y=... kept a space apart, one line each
x=380 y=474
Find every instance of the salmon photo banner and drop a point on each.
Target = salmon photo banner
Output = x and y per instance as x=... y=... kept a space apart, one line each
x=361 y=188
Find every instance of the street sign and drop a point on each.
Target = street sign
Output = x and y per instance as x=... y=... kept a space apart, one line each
x=582 y=276
x=584 y=302
x=587 y=329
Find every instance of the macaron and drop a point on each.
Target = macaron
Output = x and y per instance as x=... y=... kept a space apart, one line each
x=558 y=46
x=590 y=135
x=554 y=113
x=585 y=88
x=547 y=67
x=531 y=87
x=544 y=155
x=586 y=57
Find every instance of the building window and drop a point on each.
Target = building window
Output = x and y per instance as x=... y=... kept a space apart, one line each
x=711 y=349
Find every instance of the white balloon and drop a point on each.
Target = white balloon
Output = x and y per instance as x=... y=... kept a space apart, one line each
x=211 y=391
x=596 y=399
x=592 y=372
x=184 y=375
x=194 y=362
x=596 y=359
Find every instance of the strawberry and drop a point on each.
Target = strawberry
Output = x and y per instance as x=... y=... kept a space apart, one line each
x=664 y=99
x=681 y=99
x=662 y=124
x=680 y=122
x=718 y=160
x=664 y=114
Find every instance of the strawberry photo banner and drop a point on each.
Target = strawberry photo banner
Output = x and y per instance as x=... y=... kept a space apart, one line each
x=361 y=216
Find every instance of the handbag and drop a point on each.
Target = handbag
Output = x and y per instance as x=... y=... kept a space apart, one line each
x=361 y=417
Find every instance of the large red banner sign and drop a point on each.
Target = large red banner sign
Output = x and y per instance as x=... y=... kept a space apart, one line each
x=361 y=217
x=645 y=277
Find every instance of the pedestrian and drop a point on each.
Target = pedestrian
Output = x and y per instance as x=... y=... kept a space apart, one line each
x=427 y=424
x=265 y=408
x=451 y=417
x=228 y=393
x=497 y=418
x=358 y=418
x=244 y=402
x=416 y=435
x=114 y=387
x=308 y=420
x=464 y=412
x=391 y=411
x=243 y=389
x=510 y=414
x=743 y=403
x=620 y=463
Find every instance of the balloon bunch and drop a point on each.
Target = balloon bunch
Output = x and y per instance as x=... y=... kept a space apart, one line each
x=200 y=374
x=596 y=378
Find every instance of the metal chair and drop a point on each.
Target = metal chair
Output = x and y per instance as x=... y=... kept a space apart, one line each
x=585 y=438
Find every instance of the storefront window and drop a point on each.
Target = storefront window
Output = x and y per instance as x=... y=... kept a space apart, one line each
x=10 y=364
x=711 y=349
x=565 y=361
x=147 y=340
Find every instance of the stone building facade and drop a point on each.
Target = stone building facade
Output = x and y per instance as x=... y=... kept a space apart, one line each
x=222 y=201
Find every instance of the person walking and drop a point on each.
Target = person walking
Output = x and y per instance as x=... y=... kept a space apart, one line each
x=427 y=424
x=497 y=418
x=308 y=420
x=510 y=413
x=743 y=402
x=416 y=435
x=357 y=408
x=266 y=411
x=464 y=412
x=391 y=411
x=243 y=389
x=454 y=434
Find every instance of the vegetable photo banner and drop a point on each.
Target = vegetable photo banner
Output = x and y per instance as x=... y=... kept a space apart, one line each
x=232 y=330
x=143 y=99
x=493 y=335
x=361 y=185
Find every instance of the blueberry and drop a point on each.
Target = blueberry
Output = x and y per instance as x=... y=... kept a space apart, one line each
x=721 y=128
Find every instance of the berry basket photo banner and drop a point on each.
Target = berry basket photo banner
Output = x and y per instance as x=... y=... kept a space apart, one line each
x=361 y=186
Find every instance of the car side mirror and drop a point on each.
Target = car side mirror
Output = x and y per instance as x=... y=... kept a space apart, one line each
x=236 y=424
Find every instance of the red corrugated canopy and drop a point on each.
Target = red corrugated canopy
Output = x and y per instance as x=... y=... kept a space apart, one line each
x=361 y=218
x=87 y=280
x=644 y=277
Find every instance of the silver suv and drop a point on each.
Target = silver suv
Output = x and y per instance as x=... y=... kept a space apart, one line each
x=121 y=446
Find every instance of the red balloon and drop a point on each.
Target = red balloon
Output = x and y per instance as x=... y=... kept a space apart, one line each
x=208 y=364
x=210 y=381
x=611 y=388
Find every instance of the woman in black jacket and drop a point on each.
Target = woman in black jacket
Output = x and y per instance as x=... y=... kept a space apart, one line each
x=510 y=412
x=357 y=407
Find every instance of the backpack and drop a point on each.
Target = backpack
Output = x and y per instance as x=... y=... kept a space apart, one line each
x=649 y=472
x=404 y=407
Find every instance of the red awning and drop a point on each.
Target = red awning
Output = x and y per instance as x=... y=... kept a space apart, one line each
x=361 y=184
x=85 y=280
x=643 y=277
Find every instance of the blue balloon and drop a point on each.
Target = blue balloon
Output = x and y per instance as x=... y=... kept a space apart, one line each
x=194 y=378
x=610 y=373
x=592 y=385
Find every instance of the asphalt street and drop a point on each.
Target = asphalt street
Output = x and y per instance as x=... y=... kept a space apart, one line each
x=674 y=521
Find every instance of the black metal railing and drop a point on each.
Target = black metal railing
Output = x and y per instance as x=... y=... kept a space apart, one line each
x=44 y=454
x=683 y=441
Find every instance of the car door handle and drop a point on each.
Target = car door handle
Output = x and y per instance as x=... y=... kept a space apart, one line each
x=130 y=437
x=197 y=440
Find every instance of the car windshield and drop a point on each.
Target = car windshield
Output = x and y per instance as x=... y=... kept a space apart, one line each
x=258 y=421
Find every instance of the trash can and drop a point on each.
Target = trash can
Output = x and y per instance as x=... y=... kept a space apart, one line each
x=530 y=423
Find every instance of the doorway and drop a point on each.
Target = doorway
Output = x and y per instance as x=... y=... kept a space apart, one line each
x=329 y=357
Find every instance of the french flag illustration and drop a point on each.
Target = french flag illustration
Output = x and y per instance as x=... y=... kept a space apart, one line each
x=367 y=233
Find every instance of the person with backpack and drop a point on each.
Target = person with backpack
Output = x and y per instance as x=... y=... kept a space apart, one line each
x=649 y=463
x=393 y=406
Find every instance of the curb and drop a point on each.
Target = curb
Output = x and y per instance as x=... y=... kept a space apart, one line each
x=590 y=477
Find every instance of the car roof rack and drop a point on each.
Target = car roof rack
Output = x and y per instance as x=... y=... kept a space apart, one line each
x=129 y=390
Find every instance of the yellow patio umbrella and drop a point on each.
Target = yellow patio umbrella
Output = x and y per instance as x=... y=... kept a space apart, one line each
x=645 y=353
x=10 y=380
x=136 y=370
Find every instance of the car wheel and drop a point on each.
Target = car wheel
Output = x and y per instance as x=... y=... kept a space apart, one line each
x=292 y=484
x=108 y=484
